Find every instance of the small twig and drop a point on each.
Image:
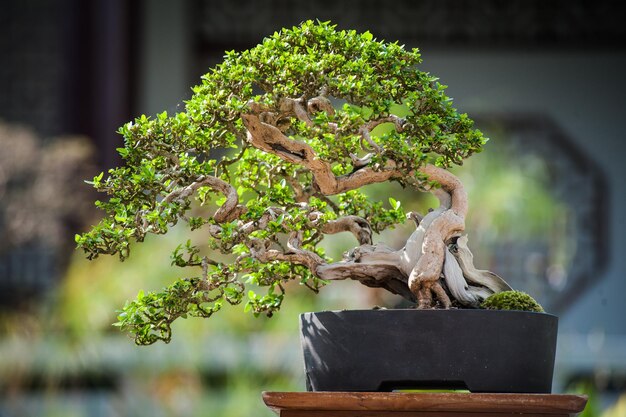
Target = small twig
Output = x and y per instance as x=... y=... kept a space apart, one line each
x=367 y=128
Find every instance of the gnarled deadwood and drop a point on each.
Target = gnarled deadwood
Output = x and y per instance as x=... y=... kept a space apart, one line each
x=465 y=259
x=458 y=286
x=373 y=266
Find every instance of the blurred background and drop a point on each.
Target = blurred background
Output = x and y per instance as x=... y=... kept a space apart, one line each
x=543 y=79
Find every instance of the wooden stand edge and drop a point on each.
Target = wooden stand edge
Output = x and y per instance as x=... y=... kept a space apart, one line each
x=390 y=404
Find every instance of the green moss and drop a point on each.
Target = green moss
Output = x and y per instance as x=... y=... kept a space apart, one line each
x=511 y=300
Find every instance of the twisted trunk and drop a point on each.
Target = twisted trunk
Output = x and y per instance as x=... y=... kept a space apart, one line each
x=435 y=263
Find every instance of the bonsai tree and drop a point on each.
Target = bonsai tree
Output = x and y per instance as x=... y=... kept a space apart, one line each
x=269 y=157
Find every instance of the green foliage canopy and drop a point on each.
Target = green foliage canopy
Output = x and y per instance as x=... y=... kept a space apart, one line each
x=168 y=159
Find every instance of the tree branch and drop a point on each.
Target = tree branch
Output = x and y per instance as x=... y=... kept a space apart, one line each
x=367 y=128
x=297 y=108
x=270 y=139
x=227 y=212
x=358 y=226
x=259 y=249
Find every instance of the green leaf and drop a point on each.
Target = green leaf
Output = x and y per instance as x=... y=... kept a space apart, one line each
x=394 y=204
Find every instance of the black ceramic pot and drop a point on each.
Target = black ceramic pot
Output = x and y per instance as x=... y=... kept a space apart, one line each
x=386 y=350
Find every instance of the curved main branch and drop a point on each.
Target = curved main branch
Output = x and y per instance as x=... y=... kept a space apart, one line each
x=269 y=138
